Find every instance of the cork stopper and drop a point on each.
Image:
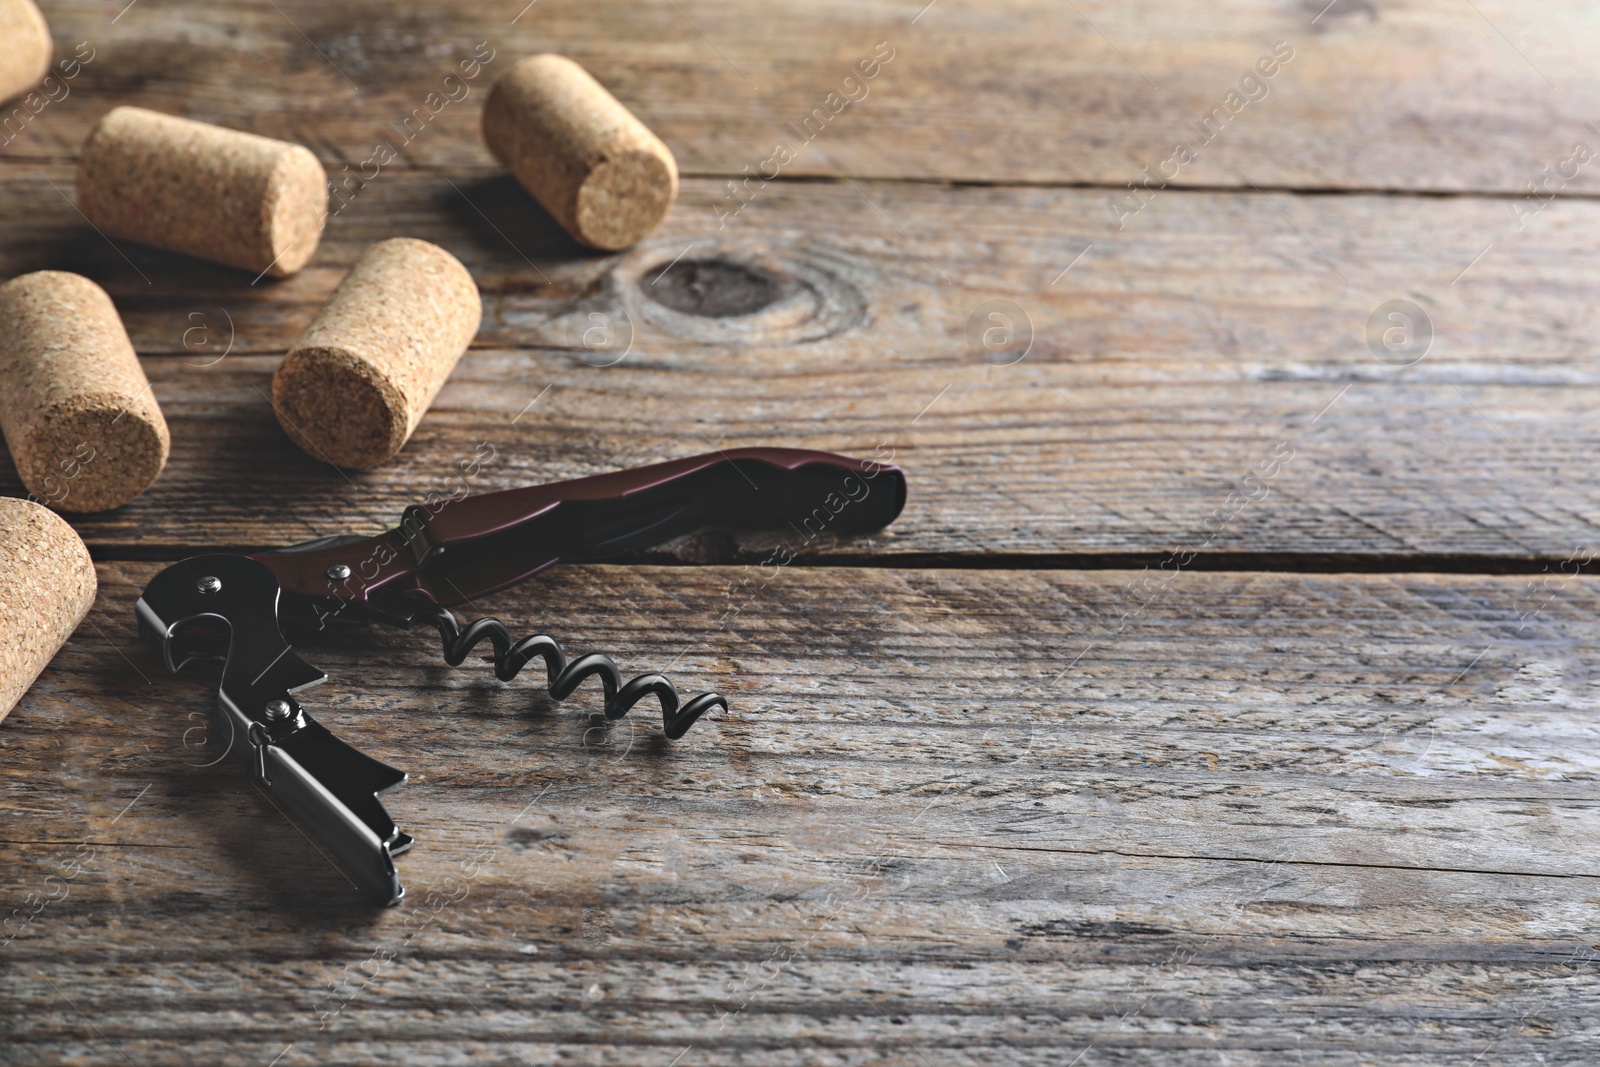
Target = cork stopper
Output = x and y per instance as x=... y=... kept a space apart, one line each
x=594 y=166
x=357 y=382
x=188 y=187
x=75 y=407
x=25 y=59
x=46 y=587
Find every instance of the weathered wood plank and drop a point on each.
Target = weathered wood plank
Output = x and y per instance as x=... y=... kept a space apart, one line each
x=1430 y=95
x=622 y=1012
x=955 y=816
x=1349 y=816
x=1198 y=285
x=1205 y=342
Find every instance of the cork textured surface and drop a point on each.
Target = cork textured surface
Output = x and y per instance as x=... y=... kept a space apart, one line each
x=47 y=585
x=218 y=194
x=77 y=411
x=356 y=383
x=24 y=47
x=586 y=158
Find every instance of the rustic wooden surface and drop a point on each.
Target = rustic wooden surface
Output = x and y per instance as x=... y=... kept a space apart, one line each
x=995 y=788
x=1154 y=383
x=1268 y=815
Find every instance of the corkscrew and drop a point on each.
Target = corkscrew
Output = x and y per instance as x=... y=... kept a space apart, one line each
x=563 y=676
x=446 y=553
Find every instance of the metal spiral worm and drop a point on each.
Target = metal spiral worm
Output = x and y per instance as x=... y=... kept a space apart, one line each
x=564 y=676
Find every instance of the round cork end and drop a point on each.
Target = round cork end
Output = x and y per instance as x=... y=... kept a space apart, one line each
x=339 y=407
x=624 y=197
x=76 y=409
x=27 y=50
x=295 y=204
x=47 y=585
x=594 y=166
x=92 y=453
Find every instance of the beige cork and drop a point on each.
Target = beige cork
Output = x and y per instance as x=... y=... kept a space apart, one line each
x=46 y=587
x=594 y=166
x=357 y=382
x=75 y=407
x=188 y=187
x=25 y=57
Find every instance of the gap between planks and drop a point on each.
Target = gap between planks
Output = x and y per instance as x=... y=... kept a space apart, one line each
x=1210 y=562
x=1177 y=186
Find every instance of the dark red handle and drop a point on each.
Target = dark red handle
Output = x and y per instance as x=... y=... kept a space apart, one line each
x=473 y=546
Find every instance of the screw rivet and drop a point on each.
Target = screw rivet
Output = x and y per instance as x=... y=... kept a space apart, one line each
x=278 y=710
x=338 y=572
x=209 y=584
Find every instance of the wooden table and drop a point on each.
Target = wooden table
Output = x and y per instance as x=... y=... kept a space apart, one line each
x=1224 y=695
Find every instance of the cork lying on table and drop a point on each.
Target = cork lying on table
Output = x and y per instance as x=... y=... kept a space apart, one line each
x=25 y=59
x=594 y=166
x=75 y=407
x=189 y=187
x=46 y=587
x=357 y=382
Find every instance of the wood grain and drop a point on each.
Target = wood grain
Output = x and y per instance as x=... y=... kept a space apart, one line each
x=995 y=810
x=1170 y=362
x=1346 y=817
x=1425 y=95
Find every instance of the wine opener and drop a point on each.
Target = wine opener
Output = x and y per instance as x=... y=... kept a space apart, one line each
x=227 y=607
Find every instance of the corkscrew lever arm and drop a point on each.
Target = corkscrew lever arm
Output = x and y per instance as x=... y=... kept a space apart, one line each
x=225 y=607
